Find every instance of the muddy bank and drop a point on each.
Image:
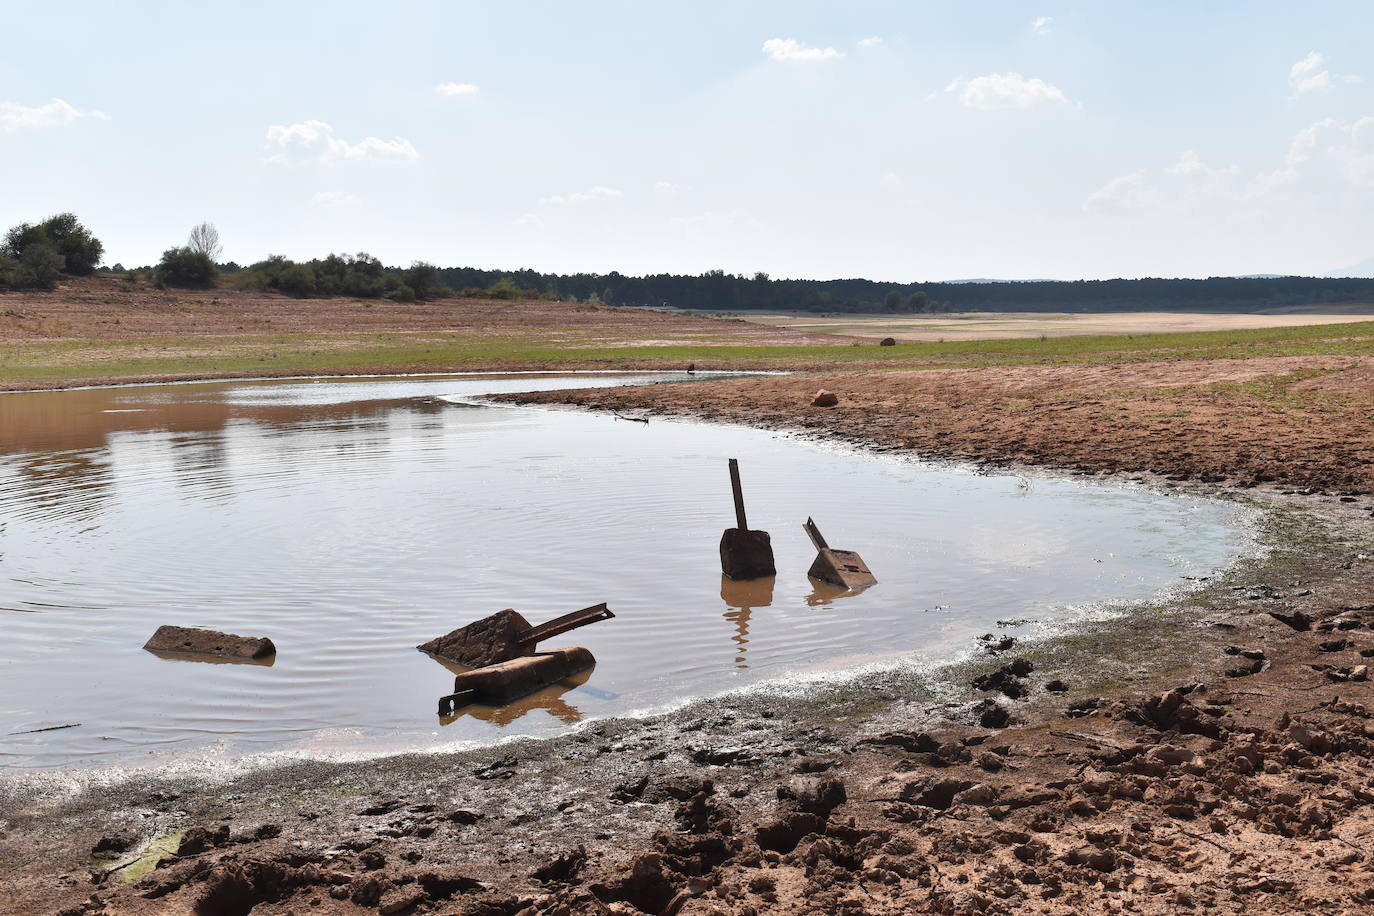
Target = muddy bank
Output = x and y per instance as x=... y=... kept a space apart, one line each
x=1291 y=422
x=1209 y=753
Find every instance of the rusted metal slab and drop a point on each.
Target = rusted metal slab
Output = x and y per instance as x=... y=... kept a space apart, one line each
x=209 y=644
x=744 y=554
x=844 y=568
x=510 y=680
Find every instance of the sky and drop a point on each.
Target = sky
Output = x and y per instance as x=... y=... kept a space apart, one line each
x=902 y=141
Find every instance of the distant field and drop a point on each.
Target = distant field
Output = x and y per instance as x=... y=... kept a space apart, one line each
x=96 y=331
x=1003 y=325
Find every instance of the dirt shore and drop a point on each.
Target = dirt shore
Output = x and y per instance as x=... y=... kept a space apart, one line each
x=1297 y=422
x=1208 y=753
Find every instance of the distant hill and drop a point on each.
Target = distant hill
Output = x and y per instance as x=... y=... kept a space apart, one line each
x=717 y=289
x=987 y=280
x=1364 y=268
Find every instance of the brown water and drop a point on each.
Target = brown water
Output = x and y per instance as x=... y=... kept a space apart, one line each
x=350 y=520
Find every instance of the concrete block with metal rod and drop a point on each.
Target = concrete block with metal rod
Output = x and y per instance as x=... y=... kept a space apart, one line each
x=844 y=568
x=744 y=554
x=506 y=681
x=505 y=635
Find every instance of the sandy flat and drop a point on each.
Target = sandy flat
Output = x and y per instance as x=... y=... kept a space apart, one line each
x=990 y=325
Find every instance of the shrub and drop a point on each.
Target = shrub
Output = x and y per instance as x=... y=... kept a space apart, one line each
x=74 y=242
x=185 y=267
x=33 y=256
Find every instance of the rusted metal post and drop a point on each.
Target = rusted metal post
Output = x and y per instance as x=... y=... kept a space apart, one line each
x=744 y=554
x=817 y=540
x=738 y=491
x=844 y=568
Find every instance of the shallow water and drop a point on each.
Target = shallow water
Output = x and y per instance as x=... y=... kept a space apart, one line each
x=350 y=520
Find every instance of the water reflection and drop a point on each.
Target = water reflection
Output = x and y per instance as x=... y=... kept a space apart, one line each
x=823 y=593
x=742 y=597
x=170 y=656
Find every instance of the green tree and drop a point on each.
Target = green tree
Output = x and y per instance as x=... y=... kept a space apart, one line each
x=185 y=267
x=80 y=250
x=423 y=280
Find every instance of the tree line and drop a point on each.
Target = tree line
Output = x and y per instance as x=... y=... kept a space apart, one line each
x=36 y=255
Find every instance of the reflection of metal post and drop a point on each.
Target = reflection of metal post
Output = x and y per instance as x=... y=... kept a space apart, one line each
x=740 y=521
x=741 y=598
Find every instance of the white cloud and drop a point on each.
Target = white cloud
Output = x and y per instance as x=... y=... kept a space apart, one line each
x=788 y=49
x=1328 y=163
x=1005 y=90
x=718 y=220
x=317 y=139
x=334 y=198
x=1310 y=75
x=667 y=189
x=892 y=180
x=872 y=42
x=14 y=116
x=597 y=192
x=1041 y=25
x=1125 y=192
x=1336 y=155
x=1190 y=163
x=456 y=89
x=528 y=221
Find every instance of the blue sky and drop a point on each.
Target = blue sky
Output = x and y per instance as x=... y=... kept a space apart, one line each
x=897 y=141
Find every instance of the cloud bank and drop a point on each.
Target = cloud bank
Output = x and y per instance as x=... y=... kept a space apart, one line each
x=56 y=113
x=788 y=49
x=1006 y=90
x=316 y=140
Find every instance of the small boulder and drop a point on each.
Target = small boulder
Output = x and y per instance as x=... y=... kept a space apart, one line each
x=888 y=342
x=825 y=398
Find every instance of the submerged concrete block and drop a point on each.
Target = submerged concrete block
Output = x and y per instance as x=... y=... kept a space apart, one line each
x=491 y=640
x=211 y=643
x=746 y=554
x=510 y=680
x=844 y=568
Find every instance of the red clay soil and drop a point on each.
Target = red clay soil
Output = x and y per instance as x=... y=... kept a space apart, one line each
x=1295 y=422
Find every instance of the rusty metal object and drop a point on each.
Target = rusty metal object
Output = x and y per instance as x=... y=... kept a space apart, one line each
x=511 y=680
x=744 y=554
x=844 y=568
x=506 y=635
x=191 y=641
